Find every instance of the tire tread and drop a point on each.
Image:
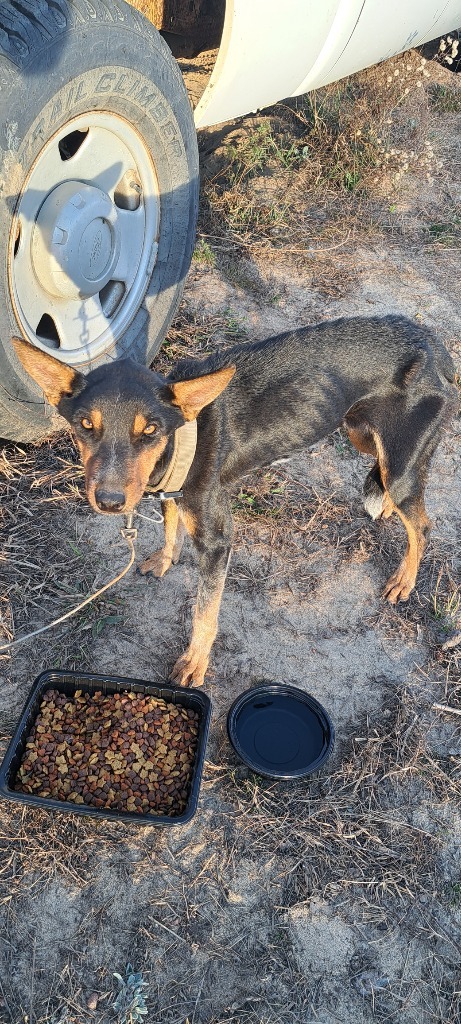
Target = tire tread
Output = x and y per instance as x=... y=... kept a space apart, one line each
x=25 y=22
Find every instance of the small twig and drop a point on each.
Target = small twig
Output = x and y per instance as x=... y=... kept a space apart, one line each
x=446 y=707
x=198 y=996
x=170 y=930
x=290 y=249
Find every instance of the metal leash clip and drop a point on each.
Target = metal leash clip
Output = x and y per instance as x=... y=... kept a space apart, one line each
x=166 y=495
x=129 y=532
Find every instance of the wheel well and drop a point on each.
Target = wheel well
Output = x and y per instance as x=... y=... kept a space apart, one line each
x=188 y=26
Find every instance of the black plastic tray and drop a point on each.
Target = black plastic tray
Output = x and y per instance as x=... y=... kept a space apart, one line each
x=68 y=682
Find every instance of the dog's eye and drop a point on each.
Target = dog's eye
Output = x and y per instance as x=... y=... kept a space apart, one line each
x=87 y=423
x=150 y=429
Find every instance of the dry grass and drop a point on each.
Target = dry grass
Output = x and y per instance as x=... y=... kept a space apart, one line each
x=312 y=174
x=351 y=837
x=353 y=830
x=45 y=569
x=194 y=335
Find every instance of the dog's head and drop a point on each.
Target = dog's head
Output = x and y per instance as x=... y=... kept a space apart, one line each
x=122 y=416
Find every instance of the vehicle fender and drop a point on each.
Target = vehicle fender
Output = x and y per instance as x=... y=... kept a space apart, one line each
x=270 y=50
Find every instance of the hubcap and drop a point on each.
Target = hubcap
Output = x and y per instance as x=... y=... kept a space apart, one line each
x=84 y=238
x=76 y=241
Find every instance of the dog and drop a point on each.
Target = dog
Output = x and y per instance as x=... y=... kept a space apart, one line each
x=388 y=381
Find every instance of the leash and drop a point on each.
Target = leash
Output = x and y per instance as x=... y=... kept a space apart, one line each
x=168 y=488
x=129 y=534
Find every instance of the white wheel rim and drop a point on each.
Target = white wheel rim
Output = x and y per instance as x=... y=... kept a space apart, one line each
x=84 y=238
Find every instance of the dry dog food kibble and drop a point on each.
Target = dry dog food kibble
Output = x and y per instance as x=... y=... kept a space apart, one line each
x=123 y=752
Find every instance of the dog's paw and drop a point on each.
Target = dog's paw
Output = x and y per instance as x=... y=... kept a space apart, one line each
x=399 y=586
x=190 y=668
x=158 y=564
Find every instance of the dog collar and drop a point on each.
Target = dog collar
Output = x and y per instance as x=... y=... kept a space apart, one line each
x=185 y=444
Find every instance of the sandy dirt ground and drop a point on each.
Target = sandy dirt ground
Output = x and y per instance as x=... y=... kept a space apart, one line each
x=335 y=899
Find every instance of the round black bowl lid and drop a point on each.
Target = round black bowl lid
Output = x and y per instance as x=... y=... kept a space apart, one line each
x=280 y=731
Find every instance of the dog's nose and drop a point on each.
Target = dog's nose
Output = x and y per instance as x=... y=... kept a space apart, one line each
x=110 y=501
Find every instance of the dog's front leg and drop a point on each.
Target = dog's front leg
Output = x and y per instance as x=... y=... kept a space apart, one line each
x=214 y=555
x=161 y=560
x=190 y=668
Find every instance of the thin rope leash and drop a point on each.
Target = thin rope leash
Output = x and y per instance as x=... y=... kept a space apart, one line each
x=184 y=450
x=129 y=533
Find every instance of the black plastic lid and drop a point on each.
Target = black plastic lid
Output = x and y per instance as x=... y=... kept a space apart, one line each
x=280 y=731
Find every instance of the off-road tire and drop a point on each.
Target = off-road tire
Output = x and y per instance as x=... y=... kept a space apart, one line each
x=59 y=60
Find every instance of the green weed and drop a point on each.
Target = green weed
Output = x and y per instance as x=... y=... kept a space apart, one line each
x=235 y=328
x=130 y=1004
x=446 y=233
x=203 y=254
x=455 y=894
x=446 y=604
x=263 y=148
x=444 y=100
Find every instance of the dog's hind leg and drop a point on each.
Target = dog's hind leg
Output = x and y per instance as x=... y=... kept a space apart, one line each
x=417 y=524
x=405 y=447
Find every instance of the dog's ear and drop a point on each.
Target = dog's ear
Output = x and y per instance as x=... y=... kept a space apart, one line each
x=56 y=379
x=193 y=395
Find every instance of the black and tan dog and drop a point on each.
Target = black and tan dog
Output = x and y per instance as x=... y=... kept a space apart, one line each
x=387 y=381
